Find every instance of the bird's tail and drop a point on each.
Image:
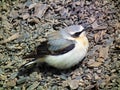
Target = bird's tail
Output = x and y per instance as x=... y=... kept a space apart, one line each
x=27 y=68
x=30 y=63
x=33 y=62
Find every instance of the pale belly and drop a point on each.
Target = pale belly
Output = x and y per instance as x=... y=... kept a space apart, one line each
x=67 y=60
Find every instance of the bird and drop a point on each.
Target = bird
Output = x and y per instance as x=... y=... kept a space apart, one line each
x=63 y=49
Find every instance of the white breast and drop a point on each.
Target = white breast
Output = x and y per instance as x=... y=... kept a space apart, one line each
x=69 y=59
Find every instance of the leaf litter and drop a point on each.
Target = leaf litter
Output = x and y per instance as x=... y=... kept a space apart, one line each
x=99 y=69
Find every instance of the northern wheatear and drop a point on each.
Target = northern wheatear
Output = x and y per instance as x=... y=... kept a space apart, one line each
x=63 y=49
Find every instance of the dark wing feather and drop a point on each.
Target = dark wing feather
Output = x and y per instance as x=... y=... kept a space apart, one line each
x=64 y=50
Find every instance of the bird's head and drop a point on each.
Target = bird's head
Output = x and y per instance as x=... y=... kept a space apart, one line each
x=73 y=32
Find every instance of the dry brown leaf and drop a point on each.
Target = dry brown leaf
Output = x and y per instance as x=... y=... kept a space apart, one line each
x=103 y=53
x=107 y=79
x=95 y=64
x=73 y=84
x=89 y=87
x=90 y=61
x=92 y=19
x=117 y=25
x=94 y=24
x=64 y=83
x=25 y=16
x=99 y=28
x=3 y=77
x=40 y=10
x=81 y=82
x=100 y=59
x=34 y=20
x=11 y=83
x=14 y=14
x=96 y=76
x=102 y=34
x=97 y=37
x=13 y=37
x=59 y=8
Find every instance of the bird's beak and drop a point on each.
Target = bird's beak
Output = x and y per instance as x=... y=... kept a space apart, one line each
x=84 y=30
x=87 y=28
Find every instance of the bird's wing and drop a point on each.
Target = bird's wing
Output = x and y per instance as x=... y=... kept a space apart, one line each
x=58 y=44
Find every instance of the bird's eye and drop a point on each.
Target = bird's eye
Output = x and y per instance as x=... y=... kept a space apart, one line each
x=76 y=34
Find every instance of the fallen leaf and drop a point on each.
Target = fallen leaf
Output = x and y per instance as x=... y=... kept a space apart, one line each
x=59 y=8
x=95 y=64
x=73 y=84
x=3 y=77
x=81 y=82
x=107 y=79
x=90 y=61
x=92 y=19
x=33 y=86
x=100 y=59
x=11 y=83
x=102 y=34
x=33 y=20
x=99 y=28
x=14 y=14
x=117 y=25
x=89 y=87
x=64 y=83
x=97 y=37
x=96 y=76
x=103 y=52
x=25 y=16
x=13 y=37
x=40 y=10
x=95 y=25
x=6 y=23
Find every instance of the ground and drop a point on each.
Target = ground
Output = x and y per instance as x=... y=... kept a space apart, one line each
x=25 y=24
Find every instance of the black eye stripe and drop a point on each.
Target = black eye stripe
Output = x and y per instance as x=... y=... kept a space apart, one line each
x=76 y=34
